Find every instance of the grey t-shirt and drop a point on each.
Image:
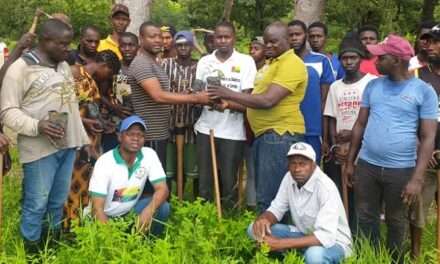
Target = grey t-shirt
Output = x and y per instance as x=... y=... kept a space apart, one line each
x=154 y=114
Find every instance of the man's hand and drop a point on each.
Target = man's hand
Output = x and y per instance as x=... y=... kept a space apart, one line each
x=50 y=129
x=433 y=161
x=219 y=92
x=4 y=144
x=343 y=136
x=325 y=148
x=26 y=41
x=348 y=173
x=202 y=98
x=145 y=218
x=411 y=190
x=221 y=106
x=261 y=229
x=274 y=243
x=93 y=126
x=122 y=111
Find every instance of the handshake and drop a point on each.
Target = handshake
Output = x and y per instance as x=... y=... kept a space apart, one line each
x=212 y=91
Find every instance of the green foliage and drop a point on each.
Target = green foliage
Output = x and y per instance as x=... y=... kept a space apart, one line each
x=170 y=12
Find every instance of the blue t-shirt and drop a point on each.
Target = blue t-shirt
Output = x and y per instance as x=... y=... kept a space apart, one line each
x=338 y=70
x=311 y=104
x=390 y=138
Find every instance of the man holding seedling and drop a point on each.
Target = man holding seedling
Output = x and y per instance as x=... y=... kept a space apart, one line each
x=320 y=229
x=120 y=175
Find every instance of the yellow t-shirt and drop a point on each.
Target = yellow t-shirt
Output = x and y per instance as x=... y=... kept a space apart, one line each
x=109 y=44
x=288 y=71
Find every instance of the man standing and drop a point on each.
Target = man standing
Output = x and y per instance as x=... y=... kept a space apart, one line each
x=342 y=108
x=321 y=230
x=150 y=88
x=87 y=48
x=181 y=72
x=317 y=34
x=120 y=19
x=369 y=35
x=120 y=175
x=38 y=102
x=168 y=49
x=421 y=58
x=236 y=72
x=429 y=73
x=396 y=112
x=317 y=88
x=273 y=111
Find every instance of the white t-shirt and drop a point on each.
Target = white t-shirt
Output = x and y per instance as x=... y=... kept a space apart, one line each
x=414 y=63
x=120 y=185
x=344 y=101
x=236 y=73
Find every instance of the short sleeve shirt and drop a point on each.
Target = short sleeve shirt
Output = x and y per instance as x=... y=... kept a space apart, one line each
x=120 y=185
x=155 y=115
x=288 y=71
x=344 y=101
x=395 y=111
x=236 y=73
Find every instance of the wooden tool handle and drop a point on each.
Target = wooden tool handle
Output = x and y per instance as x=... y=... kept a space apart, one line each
x=215 y=174
x=1 y=193
x=438 y=216
x=179 y=147
x=344 y=189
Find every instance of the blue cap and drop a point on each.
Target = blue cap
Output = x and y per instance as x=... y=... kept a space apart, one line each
x=184 y=36
x=129 y=121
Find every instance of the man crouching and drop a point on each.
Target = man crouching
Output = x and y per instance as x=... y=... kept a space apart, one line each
x=120 y=175
x=320 y=229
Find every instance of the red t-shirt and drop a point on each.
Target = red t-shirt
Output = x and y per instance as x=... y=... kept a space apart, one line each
x=369 y=66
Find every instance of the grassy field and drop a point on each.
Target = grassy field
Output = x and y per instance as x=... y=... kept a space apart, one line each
x=194 y=235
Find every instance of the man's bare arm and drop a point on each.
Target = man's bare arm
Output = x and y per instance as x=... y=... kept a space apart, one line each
x=98 y=209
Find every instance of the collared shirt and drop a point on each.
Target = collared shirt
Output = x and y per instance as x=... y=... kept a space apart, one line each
x=236 y=73
x=122 y=185
x=109 y=44
x=288 y=71
x=316 y=208
x=29 y=91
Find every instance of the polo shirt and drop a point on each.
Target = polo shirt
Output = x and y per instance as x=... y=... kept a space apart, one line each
x=121 y=185
x=236 y=73
x=109 y=44
x=288 y=71
x=315 y=208
x=395 y=111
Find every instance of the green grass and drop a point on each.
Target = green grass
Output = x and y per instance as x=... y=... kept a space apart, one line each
x=194 y=235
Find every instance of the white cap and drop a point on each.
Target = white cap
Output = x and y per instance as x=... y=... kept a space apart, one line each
x=302 y=149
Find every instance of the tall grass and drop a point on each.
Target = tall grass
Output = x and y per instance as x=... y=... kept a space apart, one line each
x=193 y=235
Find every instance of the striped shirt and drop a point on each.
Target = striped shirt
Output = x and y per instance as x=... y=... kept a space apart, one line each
x=155 y=115
x=181 y=78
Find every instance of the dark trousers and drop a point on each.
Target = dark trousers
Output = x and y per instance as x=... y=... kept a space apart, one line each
x=229 y=157
x=333 y=171
x=375 y=185
x=160 y=146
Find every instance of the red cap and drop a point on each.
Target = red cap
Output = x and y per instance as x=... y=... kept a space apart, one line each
x=393 y=45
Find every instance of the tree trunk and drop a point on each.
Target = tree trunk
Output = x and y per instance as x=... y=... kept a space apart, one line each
x=139 y=13
x=228 y=9
x=309 y=11
x=428 y=10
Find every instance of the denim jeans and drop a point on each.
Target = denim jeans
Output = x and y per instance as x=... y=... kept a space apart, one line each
x=160 y=217
x=374 y=185
x=313 y=254
x=46 y=184
x=270 y=162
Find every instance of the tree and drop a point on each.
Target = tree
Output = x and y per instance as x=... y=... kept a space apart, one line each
x=428 y=10
x=228 y=9
x=139 y=13
x=309 y=11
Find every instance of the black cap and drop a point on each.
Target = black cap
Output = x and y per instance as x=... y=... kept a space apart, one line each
x=434 y=33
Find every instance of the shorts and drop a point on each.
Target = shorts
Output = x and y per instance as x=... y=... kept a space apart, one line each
x=190 y=168
x=418 y=211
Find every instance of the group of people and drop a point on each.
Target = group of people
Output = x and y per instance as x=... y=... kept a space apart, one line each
x=97 y=129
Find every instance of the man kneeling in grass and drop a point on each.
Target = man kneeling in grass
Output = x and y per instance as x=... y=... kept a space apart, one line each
x=320 y=229
x=120 y=175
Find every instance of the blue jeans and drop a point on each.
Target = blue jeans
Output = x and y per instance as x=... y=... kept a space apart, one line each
x=161 y=215
x=46 y=184
x=313 y=254
x=270 y=162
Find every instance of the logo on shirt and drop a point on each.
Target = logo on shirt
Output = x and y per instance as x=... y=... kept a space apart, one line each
x=140 y=173
x=124 y=195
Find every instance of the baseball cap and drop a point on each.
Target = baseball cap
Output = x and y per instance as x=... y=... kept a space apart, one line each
x=434 y=33
x=131 y=120
x=258 y=40
x=183 y=37
x=120 y=8
x=302 y=149
x=393 y=45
